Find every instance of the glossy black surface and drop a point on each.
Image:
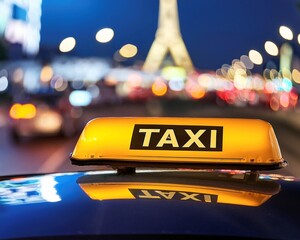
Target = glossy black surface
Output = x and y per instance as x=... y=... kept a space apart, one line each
x=55 y=205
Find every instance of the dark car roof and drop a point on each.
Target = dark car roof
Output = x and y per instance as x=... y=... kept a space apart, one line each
x=55 y=205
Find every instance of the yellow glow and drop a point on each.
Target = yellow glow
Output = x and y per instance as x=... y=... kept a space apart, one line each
x=46 y=73
x=230 y=73
x=67 y=44
x=255 y=57
x=271 y=48
x=197 y=92
x=240 y=72
x=240 y=82
x=296 y=76
x=245 y=141
x=26 y=111
x=171 y=72
x=286 y=33
x=15 y=110
x=116 y=190
x=105 y=35
x=286 y=73
x=238 y=65
x=29 y=111
x=286 y=55
x=159 y=88
x=299 y=38
x=128 y=51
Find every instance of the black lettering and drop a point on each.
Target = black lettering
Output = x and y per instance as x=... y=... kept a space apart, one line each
x=174 y=137
x=151 y=194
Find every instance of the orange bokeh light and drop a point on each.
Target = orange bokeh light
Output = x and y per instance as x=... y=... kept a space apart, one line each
x=159 y=88
x=19 y=111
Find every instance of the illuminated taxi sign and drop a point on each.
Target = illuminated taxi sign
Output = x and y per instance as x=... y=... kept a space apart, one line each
x=200 y=142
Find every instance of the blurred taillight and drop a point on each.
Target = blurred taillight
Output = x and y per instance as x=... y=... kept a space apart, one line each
x=15 y=110
x=19 y=111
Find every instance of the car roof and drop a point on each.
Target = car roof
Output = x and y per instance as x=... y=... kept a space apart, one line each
x=57 y=205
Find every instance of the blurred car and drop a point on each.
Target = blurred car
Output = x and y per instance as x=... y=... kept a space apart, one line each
x=171 y=178
x=43 y=115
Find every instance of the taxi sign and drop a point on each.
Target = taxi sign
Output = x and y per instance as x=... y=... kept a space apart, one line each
x=196 y=142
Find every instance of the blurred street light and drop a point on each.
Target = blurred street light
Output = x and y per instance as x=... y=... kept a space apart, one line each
x=105 y=35
x=255 y=57
x=286 y=33
x=128 y=51
x=67 y=44
x=271 y=48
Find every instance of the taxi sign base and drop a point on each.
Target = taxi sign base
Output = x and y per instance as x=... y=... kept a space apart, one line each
x=131 y=164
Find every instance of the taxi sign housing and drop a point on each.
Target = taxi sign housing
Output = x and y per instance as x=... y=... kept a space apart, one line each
x=185 y=142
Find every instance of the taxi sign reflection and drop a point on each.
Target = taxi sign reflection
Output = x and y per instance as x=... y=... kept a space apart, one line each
x=202 y=187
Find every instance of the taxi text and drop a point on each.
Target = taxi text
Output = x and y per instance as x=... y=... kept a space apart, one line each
x=174 y=137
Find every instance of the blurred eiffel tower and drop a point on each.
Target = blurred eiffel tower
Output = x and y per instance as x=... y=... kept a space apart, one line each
x=168 y=40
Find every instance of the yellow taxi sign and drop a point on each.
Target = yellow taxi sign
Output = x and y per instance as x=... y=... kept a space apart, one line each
x=238 y=143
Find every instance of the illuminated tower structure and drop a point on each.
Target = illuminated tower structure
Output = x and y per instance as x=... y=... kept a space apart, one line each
x=168 y=40
x=286 y=57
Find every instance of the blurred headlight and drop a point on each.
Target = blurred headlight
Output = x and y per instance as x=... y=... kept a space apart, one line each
x=48 y=122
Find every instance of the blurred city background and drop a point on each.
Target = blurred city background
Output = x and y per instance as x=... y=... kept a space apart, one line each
x=63 y=63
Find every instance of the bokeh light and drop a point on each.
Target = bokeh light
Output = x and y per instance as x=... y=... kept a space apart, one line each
x=296 y=76
x=80 y=98
x=46 y=73
x=105 y=35
x=18 y=75
x=255 y=57
x=159 y=88
x=58 y=83
x=247 y=62
x=67 y=44
x=271 y=48
x=284 y=100
x=128 y=51
x=3 y=83
x=197 y=92
x=19 y=111
x=286 y=33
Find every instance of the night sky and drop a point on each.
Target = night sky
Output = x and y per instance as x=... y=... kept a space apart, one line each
x=214 y=31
